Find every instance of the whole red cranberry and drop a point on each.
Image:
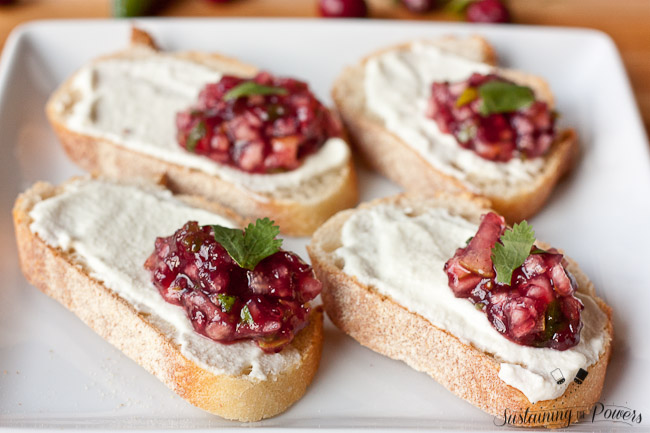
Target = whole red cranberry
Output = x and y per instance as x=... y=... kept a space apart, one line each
x=487 y=11
x=419 y=6
x=343 y=8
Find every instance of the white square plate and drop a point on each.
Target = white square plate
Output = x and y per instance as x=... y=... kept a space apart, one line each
x=55 y=373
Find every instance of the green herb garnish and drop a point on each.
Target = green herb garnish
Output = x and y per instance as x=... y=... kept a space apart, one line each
x=553 y=321
x=512 y=251
x=470 y=94
x=274 y=111
x=133 y=8
x=196 y=133
x=245 y=315
x=249 y=247
x=458 y=6
x=193 y=243
x=226 y=302
x=250 y=88
x=500 y=97
x=467 y=132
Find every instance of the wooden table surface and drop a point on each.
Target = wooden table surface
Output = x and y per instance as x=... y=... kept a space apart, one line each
x=626 y=21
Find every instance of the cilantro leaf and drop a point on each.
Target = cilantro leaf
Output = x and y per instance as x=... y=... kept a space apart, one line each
x=245 y=316
x=251 y=246
x=468 y=95
x=512 y=251
x=196 y=133
x=249 y=88
x=226 y=301
x=501 y=97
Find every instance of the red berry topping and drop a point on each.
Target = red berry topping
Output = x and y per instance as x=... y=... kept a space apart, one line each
x=487 y=11
x=497 y=135
x=342 y=8
x=536 y=309
x=226 y=302
x=261 y=125
x=419 y=6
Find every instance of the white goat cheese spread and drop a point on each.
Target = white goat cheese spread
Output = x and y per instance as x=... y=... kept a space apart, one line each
x=402 y=257
x=133 y=102
x=111 y=229
x=397 y=87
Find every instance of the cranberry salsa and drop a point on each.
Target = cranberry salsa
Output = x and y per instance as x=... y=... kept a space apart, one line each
x=265 y=124
x=526 y=292
x=235 y=285
x=493 y=117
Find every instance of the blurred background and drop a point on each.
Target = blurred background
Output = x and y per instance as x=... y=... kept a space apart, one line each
x=626 y=21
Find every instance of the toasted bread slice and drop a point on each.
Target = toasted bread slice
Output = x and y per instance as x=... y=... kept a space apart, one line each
x=388 y=153
x=378 y=321
x=65 y=273
x=298 y=207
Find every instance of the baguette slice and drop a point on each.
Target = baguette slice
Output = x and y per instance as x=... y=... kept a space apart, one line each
x=380 y=323
x=297 y=210
x=65 y=277
x=390 y=155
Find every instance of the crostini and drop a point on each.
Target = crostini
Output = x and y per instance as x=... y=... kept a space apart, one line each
x=212 y=126
x=132 y=262
x=417 y=279
x=439 y=114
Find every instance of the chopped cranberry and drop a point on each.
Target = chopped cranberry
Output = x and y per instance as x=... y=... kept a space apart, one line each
x=256 y=133
x=477 y=257
x=536 y=309
x=226 y=302
x=419 y=6
x=487 y=11
x=343 y=8
x=456 y=109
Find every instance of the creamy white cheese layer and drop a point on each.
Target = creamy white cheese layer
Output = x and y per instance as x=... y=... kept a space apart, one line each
x=111 y=229
x=403 y=256
x=397 y=86
x=133 y=103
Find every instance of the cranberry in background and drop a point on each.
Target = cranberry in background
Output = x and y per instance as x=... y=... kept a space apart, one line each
x=343 y=8
x=419 y=6
x=487 y=11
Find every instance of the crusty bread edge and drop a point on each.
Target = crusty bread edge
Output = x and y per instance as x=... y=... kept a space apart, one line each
x=232 y=397
x=390 y=155
x=294 y=218
x=337 y=191
x=394 y=331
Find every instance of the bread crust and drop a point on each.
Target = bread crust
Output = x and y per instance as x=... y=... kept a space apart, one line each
x=396 y=332
x=242 y=398
x=391 y=156
x=298 y=213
